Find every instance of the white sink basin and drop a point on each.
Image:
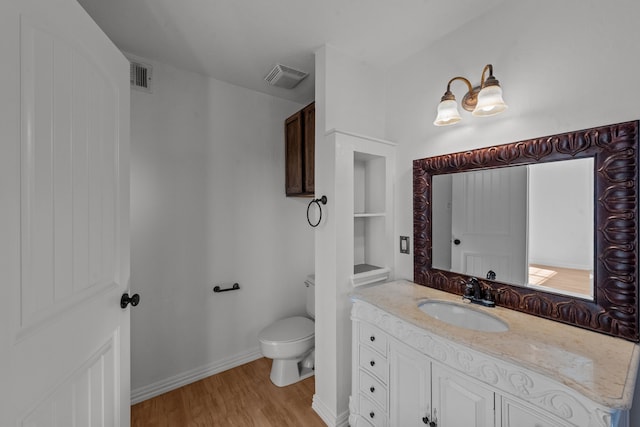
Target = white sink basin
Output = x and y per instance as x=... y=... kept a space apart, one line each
x=463 y=316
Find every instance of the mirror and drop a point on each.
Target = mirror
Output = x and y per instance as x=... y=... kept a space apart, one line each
x=526 y=225
x=611 y=305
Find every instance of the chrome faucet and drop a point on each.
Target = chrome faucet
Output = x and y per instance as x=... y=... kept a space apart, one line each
x=474 y=293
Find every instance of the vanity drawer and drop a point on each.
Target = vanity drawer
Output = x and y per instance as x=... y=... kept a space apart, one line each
x=374 y=337
x=373 y=362
x=372 y=413
x=374 y=389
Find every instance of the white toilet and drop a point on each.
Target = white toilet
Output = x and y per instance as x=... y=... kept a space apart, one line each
x=290 y=343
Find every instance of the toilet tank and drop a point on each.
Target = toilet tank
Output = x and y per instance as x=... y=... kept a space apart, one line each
x=310 y=283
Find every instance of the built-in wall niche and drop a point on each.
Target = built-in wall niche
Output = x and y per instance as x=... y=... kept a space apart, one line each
x=359 y=220
x=368 y=184
x=369 y=217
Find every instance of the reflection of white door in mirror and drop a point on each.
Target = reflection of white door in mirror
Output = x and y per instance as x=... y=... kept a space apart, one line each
x=489 y=223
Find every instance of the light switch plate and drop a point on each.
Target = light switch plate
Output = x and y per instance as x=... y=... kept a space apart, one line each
x=404 y=244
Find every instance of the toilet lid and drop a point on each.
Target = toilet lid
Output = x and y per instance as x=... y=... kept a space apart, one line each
x=287 y=330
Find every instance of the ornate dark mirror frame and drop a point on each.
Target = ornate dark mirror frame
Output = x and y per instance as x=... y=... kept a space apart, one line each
x=614 y=309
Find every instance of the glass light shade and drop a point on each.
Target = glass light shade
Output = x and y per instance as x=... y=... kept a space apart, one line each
x=447 y=113
x=490 y=102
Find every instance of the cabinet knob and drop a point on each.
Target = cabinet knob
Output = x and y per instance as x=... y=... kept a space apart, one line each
x=372 y=414
x=372 y=338
x=372 y=363
x=372 y=389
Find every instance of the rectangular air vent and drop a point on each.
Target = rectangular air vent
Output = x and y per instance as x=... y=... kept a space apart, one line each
x=286 y=77
x=140 y=75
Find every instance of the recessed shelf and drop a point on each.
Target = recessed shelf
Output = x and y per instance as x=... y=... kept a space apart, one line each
x=370 y=223
x=369 y=174
x=364 y=268
x=365 y=274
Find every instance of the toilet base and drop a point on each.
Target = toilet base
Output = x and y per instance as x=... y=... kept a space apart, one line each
x=285 y=372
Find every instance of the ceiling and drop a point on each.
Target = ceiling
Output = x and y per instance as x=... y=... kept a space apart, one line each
x=240 y=41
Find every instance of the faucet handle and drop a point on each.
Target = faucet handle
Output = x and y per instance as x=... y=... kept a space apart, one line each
x=468 y=290
x=477 y=288
x=488 y=294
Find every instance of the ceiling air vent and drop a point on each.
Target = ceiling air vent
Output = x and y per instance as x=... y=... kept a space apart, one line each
x=140 y=76
x=286 y=77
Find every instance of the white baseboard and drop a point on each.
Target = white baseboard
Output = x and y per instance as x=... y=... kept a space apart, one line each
x=329 y=418
x=343 y=420
x=152 y=390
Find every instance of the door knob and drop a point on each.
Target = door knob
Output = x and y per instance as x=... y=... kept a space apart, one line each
x=456 y=241
x=126 y=300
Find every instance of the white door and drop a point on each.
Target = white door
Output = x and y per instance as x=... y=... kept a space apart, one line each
x=64 y=228
x=489 y=224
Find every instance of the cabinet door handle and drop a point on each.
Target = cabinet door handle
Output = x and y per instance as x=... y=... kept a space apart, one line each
x=372 y=414
x=372 y=338
x=429 y=423
x=372 y=389
x=372 y=363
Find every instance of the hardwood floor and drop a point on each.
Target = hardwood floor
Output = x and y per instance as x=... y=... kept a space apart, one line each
x=243 y=396
x=563 y=279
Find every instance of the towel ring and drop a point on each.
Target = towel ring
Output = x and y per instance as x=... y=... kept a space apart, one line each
x=322 y=200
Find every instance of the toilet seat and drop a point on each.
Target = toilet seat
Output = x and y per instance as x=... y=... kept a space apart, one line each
x=287 y=330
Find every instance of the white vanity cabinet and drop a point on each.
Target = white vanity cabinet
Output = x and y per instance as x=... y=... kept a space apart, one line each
x=423 y=391
x=404 y=375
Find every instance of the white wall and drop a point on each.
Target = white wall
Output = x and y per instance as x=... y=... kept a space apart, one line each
x=354 y=95
x=563 y=66
x=208 y=208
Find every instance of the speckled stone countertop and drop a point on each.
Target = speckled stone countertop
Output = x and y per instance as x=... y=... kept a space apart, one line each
x=600 y=367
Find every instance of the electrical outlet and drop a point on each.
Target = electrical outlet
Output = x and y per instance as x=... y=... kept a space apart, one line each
x=404 y=244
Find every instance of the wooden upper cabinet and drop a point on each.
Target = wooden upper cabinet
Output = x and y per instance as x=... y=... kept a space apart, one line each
x=293 y=154
x=299 y=131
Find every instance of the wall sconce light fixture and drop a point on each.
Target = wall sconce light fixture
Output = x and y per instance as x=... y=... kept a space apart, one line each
x=483 y=101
